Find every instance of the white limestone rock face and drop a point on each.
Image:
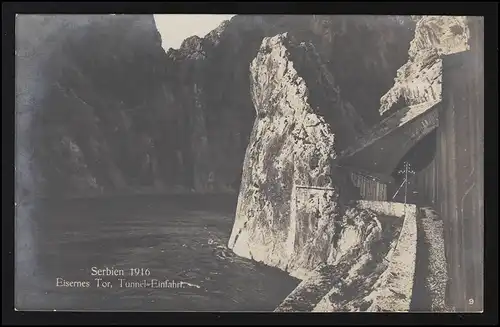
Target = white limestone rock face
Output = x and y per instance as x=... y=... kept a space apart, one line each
x=419 y=80
x=280 y=220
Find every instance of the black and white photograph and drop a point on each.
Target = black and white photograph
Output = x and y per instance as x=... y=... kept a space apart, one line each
x=249 y=163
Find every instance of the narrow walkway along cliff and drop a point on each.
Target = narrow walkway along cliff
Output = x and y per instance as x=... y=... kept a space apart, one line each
x=295 y=208
x=332 y=109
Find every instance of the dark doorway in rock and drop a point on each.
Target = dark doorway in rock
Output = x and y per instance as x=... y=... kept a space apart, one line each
x=419 y=157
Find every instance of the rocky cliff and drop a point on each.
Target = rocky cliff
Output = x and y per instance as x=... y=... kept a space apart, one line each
x=106 y=110
x=100 y=90
x=292 y=210
x=419 y=80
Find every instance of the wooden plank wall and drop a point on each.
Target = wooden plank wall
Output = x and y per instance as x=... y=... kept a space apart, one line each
x=453 y=183
x=425 y=182
x=369 y=187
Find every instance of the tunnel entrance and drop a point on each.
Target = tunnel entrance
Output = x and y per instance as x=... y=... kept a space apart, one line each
x=419 y=157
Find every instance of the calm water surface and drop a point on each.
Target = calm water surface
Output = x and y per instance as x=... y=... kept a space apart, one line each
x=182 y=239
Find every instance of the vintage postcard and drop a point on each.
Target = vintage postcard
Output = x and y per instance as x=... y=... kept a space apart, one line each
x=262 y=163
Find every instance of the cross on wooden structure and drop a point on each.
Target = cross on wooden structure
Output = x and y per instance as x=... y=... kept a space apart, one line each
x=407 y=170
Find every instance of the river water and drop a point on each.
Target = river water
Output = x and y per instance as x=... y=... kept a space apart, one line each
x=176 y=238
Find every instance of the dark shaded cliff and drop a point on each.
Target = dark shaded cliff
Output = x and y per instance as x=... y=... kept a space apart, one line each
x=94 y=125
x=110 y=112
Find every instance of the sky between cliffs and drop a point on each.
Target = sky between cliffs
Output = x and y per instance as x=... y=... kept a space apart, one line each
x=176 y=28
